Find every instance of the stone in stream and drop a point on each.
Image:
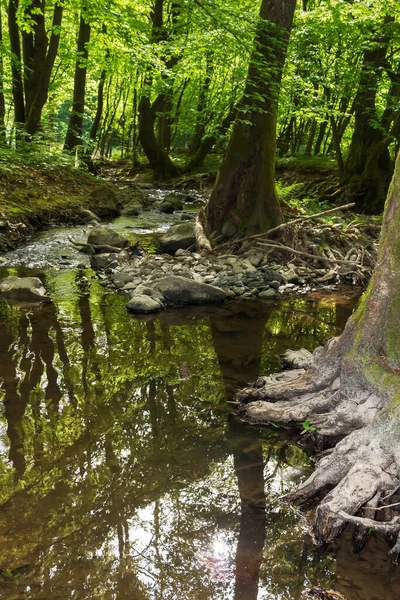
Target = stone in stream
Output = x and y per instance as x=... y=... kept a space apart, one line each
x=105 y=236
x=88 y=217
x=102 y=261
x=178 y=291
x=23 y=289
x=132 y=209
x=103 y=200
x=143 y=304
x=171 y=203
x=267 y=294
x=177 y=237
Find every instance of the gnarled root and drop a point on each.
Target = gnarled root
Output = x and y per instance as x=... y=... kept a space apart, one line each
x=363 y=469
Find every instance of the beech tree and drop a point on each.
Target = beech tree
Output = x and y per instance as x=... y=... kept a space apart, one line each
x=351 y=391
x=244 y=197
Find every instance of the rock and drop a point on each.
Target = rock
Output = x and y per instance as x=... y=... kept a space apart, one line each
x=267 y=294
x=180 y=291
x=143 y=304
x=291 y=276
x=121 y=279
x=132 y=209
x=102 y=261
x=274 y=285
x=145 y=290
x=171 y=203
x=23 y=289
x=2 y=260
x=103 y=200
x=87 y=216
x=296 y=359
x=178 y=236
x=105 y=236
x=182 y=252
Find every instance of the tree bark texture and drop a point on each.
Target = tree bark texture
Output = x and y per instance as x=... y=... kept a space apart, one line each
x=244 y=198
x=39 y=56
x=350 y=392
x=368 y=168
x=74 y=135
x=16 y=65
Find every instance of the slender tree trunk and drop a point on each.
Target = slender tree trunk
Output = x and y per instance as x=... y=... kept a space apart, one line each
x=200 y=126
x=311 y=137
x=244 y=197
x=2 y=100
x=16 y=66
x=74 y=135
x=351 y=391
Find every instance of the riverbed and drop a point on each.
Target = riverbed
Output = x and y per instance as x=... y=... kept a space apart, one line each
x=124 y=472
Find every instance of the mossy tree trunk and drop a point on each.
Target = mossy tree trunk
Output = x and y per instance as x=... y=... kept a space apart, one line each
x=368 y=169
x=351 y=392
x=244 y=198
x=153 y=147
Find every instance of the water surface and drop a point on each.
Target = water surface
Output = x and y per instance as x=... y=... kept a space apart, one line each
x=124 y=473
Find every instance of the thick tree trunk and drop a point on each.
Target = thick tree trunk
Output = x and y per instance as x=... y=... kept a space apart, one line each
x=42 y=55
x=73 y=138
x=368 y=168
x=244 y=198
x=351 y=391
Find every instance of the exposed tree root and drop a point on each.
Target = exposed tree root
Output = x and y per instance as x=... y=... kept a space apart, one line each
x=333 y=400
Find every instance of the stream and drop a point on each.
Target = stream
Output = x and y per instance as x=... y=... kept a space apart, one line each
x=124 y=473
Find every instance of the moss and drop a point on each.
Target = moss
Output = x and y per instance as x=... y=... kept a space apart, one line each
x=380 y=376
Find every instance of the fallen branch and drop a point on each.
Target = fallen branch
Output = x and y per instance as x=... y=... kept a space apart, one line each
x=280 y=246
x=289 y=224
x=202 y=241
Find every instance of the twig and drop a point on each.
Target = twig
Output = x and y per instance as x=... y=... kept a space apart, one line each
x=289 y=224
x=279 y=246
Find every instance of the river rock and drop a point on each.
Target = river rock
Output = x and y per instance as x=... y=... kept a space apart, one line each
x=103 y=200
x=296 y=359
x=177 y=236
x=171 y=203
x=101 y=237
x=180 y=291
x=143 y=304
x=132 y=209
x=267 y=294
x=102 y=261
x=87 y=216
x=23 y=289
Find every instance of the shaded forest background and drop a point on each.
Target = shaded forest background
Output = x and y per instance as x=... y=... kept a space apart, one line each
x=139 y=79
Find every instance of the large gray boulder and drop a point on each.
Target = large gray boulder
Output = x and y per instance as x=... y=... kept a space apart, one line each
x=105 y=237
x=23 y=289
x=178 y=291
x=177 y=236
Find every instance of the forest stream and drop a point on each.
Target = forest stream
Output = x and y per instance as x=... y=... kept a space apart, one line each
x=124 y=473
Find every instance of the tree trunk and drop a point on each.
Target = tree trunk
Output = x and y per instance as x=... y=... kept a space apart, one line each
x=200 y=126
x=16 y=66
x=74 y=135
x=157 y=156
x=368 y=168
x=2 y=100
x=244 y=198
x=351 y=391
x=42 y=55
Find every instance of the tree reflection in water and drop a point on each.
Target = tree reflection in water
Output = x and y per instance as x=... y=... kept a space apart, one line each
x=123 y=473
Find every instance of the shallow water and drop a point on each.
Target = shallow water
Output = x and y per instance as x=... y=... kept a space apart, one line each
x=124 y=474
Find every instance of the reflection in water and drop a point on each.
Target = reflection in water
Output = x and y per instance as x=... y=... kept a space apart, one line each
x=123 y=473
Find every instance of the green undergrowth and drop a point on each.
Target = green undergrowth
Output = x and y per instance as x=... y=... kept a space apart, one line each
x=35 y=184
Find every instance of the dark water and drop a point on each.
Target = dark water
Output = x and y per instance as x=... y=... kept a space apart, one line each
x=124 y=473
